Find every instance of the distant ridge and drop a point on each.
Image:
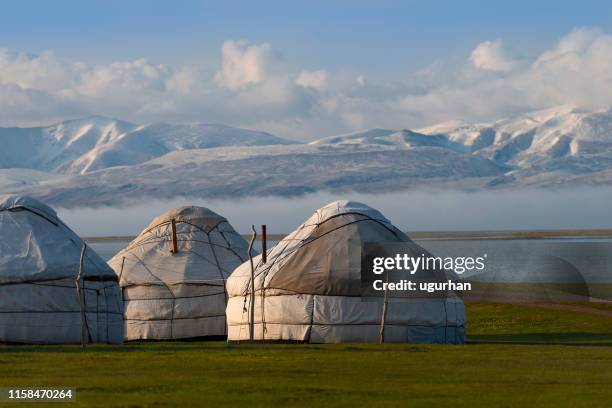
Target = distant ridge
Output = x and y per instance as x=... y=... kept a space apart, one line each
x=97 y=160
x=80 y=146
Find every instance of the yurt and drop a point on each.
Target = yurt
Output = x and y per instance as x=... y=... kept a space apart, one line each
x=309 y=289
x=173 y=275
x=53 y=289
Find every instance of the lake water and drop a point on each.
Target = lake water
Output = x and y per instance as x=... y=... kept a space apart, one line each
x=516 y=260
x=566 y=260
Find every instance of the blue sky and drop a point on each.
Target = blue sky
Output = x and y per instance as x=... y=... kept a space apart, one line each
x=386 y=42
x=385 y=36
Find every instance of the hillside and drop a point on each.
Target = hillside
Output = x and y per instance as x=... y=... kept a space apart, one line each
x=99 y=160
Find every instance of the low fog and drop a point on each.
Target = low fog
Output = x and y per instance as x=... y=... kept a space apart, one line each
x=411 y=211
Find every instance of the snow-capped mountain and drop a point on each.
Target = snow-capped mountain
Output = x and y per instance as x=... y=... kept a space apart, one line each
x=545 y=138
x=562 y=139
x=93 y=143
x=101 y=161
x=291 y=170
x=389 y=139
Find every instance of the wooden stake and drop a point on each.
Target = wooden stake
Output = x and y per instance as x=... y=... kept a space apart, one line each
x=174 y=238
x=121 y=272
x=383 y=317
x=252 y=305
x=79 y=283
x=264 y=244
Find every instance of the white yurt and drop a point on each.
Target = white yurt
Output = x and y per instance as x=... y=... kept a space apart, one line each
x=309 y=290
x=45 y=294
x=173 y=275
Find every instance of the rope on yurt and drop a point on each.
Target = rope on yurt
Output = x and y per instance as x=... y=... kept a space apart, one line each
x=229 y=245
x=312 y=315
x=80 y=279
x=445 y=319
x=244 y=310
x=212 y=248
x=250 y=284
x=169 y=290
x=18 y=208
x=106 y=305
x=152 y=238
x=264 y=329
x=284 y=253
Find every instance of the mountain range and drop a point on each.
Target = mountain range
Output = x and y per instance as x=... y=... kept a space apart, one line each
x=96 y=160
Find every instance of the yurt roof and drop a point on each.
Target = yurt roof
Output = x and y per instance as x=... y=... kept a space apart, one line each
x=199 y=216
x=346 y=207
x=16 y=202
x=319 y=256
x=208 y=248
x=37 y=246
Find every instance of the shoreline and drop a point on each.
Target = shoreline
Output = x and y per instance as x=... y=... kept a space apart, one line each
x=449 y=235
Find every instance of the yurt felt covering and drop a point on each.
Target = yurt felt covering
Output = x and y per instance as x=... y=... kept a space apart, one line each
x=179 y=295
x=309 y=290
x=39 y=266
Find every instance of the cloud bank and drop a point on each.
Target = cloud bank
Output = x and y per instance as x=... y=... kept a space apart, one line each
x=252 y=88
x=491 y=56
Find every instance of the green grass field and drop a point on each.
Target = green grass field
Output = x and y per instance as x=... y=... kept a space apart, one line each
x=574 y=369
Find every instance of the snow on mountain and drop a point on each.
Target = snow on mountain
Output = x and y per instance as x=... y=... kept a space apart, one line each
x=552 y=139
x=471 y=136
x=93 y=143
x=19 y=179
x=47 y=148
x=371 y=136
x=99 y=160
x=271 y=170
x=547 y=147
x=388 y=139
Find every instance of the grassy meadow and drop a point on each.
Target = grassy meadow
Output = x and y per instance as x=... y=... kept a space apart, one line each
x=517 y=355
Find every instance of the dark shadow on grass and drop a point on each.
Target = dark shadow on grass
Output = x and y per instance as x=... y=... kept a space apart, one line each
x=201 y=339
x=177 y=347
x=131 y=347
x=568 y=338
x=171 y=346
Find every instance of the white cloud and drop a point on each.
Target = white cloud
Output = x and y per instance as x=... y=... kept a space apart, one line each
x=243 y=63
x=313 y=79
x=491 y=56
x=575 y=43
x=253 y=89
x=182 y=82
x=28 y=71
x=130 y=76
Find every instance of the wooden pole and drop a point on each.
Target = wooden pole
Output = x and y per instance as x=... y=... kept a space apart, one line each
x=252 y=303
x=383 y=317
x=174 y=238
x=79 y=283
x=264 y=244
x=121 y=272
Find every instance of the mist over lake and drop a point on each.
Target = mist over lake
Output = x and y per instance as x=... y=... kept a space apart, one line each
x=525 y=209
